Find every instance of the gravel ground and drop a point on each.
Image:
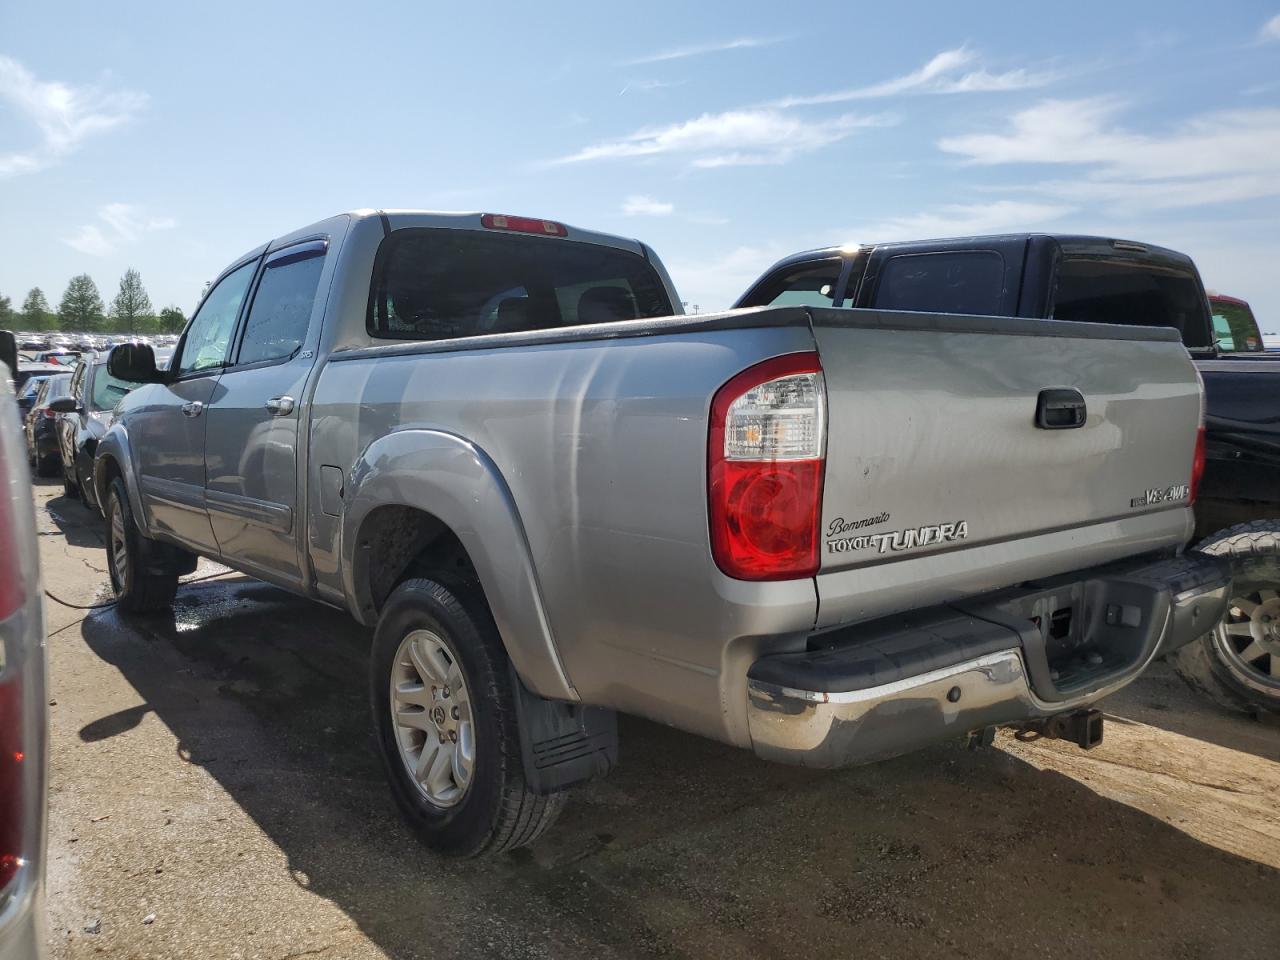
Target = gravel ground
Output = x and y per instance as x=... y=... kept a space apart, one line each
x=214 y=793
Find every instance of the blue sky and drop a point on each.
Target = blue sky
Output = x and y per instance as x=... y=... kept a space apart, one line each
x=172 y=137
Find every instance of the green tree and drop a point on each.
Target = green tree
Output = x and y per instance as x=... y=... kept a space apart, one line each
x=35 y=311
x=81 y=306
x=171 y=320
x=131 y=309
x=8 y=319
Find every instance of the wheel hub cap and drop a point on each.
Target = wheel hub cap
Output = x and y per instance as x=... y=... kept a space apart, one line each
x=1249 y=638
x=431 y=713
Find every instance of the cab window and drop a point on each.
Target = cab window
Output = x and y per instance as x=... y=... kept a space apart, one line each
x=281 y=310
x=807 y=285
x=1234 y=328
x=209 y=334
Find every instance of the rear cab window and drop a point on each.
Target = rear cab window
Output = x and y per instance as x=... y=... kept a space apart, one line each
x=1234 y=327
x=811 y=284
x=1131 y=292
x=441 y=284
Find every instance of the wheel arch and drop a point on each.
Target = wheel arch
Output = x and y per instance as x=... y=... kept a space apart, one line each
x=420 y=499
x=113 y=458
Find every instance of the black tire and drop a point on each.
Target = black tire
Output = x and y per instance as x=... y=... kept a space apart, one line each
x=143 y=575
x=497 y=811
x=48 y=466
x=1215 y=664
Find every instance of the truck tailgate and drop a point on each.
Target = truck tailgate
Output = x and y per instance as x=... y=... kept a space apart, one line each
x=933 y=443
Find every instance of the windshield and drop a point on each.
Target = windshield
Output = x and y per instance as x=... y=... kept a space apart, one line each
x=439 y=284
x=107 y=390
x=1132 y=294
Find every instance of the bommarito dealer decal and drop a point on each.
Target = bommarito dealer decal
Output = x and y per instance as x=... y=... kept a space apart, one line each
x=896 y=540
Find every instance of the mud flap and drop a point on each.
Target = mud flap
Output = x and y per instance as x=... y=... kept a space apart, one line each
x=563 y=743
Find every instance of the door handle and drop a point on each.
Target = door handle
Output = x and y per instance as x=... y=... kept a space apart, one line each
x=1060 y=409
x=192 y=409
x=280 y=406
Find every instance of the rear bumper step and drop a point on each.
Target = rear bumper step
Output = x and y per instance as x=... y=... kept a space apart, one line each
x=1042 y=650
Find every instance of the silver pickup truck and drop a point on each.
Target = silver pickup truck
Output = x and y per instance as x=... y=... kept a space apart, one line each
x=829 y=536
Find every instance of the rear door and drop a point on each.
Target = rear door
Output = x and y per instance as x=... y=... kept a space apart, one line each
x=251 y=450
x=167 y=430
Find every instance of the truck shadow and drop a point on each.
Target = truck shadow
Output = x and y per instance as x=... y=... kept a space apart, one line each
x=690 y=849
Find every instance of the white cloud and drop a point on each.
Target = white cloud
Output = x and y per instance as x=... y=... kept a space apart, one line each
x=638 y=206
x=1212 y=158
x=941 y=75
x=960 y=220
x=736 y=137
x=698 y=50
x=122 y=225
x=64 y=115
x=1270 y=30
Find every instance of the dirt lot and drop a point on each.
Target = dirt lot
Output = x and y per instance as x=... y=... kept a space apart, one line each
x=214 y=794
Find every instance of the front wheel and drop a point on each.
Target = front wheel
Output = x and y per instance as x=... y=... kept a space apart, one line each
x=445 y=719
x=1238 y=664
x=144 y=580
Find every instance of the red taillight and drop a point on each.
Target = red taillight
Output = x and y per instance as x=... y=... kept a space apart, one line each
x=764 y=469
x=49 y=414
x=1197 y=465
x=546 y=228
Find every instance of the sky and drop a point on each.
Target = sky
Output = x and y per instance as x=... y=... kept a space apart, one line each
x=173 y=137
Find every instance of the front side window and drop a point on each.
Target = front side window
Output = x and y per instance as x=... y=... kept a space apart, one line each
x=209 y=333
x=438 y=284
x=1133 y=294
x=107 y=390
x=969 y=282
x=281 y=309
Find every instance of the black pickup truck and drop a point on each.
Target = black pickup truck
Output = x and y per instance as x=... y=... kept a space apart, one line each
x=1102 y=280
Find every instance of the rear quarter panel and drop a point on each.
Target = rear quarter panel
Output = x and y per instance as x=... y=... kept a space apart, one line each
x=602 y=444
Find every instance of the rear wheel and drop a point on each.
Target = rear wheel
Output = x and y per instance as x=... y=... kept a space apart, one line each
x=1238 y=664
x=445 y=719
x=143 y=576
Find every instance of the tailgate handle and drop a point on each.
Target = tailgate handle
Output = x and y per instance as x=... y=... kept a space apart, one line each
x=1060 y=409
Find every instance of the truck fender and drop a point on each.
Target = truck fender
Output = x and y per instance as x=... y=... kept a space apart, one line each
x=115 y=445
x=456 y=482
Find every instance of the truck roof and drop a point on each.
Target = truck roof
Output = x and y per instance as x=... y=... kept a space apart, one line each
x=442 y=219
x=1070 y=242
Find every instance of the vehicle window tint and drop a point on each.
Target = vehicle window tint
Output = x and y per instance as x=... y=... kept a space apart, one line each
x=57 y=386
x=811 y=285
x=281 y=309
x=1134 y=294
x=209 y=332
x=1234 y=328
x=961 y=282
x=440 y=284
x=107 y=390
x=32 y=385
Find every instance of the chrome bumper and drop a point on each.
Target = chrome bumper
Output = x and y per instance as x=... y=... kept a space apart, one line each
x=832 y=729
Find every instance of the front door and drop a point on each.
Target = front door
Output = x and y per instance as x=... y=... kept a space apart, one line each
x=167 y=431
x=251 y=450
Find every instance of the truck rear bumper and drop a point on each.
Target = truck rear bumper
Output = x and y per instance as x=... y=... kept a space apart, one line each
x=881 y=689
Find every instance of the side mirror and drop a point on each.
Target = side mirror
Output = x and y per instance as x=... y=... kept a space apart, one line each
x=135 y=362
x=9 y=353
x=64 y=405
